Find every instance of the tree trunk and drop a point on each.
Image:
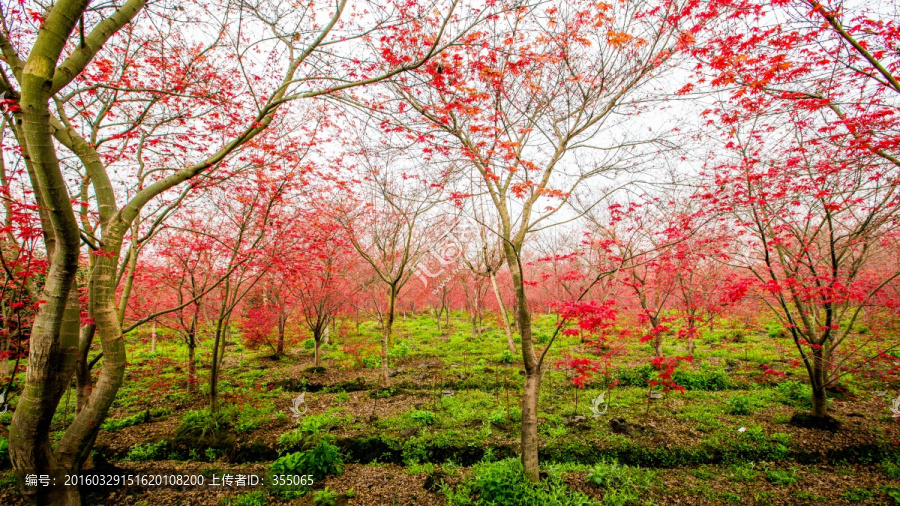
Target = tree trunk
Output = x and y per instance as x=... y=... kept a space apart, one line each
x=49 y=370
x=531 y=393
x=691 y=347
x=129 y=281
x=214 y=370
x=83 y=380
x=191 y=364
x=529 y=425
x=818 y=381
x=281 y=327
x=318 y=341
x=385 y=337
x=7 y=336
x=153 y=338
x=510 y=342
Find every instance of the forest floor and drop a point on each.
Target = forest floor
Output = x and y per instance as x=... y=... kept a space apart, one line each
x=447 y=429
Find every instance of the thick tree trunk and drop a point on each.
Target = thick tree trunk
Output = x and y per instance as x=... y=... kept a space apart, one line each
x=50 y=366
x=318 y=341
x=529 y=425
x=818 y=381
x=280 y=349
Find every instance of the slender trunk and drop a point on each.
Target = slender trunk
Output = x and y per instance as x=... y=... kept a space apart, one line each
x=83 y=381
x=385 y=338
x=214 y=370
x=510 y=342
x=153 y=338
x=129 y=282
x=657 y=345
x=7 y=336
x=691 y=347
x=191 y=364
x=531 y=392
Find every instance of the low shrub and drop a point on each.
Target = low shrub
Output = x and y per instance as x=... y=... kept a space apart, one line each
x=325 y=497
x=782 y=477
x=503 y=482
x=740 y=405
x=324 y=459
x=113 y=424
x=622 y=484
x=506 y=357
x=426 y=417
x=148 y=451
x=202 y=423
x=706 y=379
x=635 y=376
x=254 y=498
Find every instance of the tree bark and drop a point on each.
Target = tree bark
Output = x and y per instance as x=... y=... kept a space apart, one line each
x=214 y=371
x=531 y=393
x=385 y=338
x=318 y=339
x=281 y=328
x=191 y=364
x=387 y=327
x=510 y=342
x=818 y=381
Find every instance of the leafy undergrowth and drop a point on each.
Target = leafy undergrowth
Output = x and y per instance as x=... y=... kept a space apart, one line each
x=445 y=429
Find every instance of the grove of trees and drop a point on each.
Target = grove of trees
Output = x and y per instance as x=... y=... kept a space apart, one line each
x=261 y=171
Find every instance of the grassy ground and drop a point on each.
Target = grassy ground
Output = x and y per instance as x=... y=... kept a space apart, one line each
x=446 y=431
